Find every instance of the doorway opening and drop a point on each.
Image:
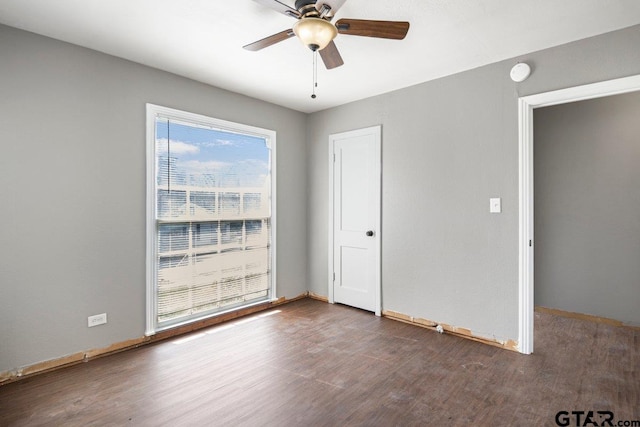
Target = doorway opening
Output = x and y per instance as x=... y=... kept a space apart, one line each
x=526 y=105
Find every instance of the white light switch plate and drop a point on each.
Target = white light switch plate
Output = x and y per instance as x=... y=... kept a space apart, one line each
x=495 y=205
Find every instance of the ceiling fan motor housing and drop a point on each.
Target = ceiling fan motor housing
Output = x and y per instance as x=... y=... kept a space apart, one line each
x=303 y=5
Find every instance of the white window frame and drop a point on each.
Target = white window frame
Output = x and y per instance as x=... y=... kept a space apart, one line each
x=153 y=112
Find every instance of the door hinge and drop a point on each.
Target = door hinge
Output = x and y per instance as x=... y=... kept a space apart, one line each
x=334 y=157
x=530 y=243
x=334 y=276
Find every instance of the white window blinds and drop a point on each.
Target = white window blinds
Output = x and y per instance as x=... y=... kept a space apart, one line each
x=212 y=220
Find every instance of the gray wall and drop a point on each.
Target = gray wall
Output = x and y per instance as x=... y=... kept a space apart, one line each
x=587 y=207
x=72 y=192
x=72 y=187
x=448 y=146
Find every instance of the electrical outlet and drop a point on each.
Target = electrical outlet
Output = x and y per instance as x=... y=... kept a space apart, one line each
x=98 y=319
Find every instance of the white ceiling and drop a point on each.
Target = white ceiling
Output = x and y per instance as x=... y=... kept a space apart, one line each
x=203 y=39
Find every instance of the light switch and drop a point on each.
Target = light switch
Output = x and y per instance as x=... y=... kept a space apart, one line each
x=495 y=205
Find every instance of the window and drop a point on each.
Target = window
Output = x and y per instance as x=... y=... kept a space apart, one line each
x=210 y=216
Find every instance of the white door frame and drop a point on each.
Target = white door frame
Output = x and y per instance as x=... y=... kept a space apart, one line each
x=377 y=131
x=526 y=106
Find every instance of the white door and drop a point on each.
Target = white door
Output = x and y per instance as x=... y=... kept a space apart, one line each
x=355 y=218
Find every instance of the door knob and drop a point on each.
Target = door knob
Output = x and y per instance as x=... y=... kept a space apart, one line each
x=369 y=233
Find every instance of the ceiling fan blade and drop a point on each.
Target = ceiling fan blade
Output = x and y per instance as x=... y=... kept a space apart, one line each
x=280 y=7
x=331 y=57
x=382 y=29
x=268 y=41
x=330 y=7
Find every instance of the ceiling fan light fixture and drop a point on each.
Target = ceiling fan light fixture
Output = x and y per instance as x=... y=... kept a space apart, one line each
x=315 y=33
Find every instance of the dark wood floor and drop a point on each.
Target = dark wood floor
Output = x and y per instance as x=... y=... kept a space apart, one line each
x=316 y=364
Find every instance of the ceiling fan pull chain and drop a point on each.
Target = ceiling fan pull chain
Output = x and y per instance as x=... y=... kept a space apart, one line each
x=315 y=74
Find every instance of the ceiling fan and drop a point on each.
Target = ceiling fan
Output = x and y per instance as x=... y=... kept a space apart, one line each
x=315 y=30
